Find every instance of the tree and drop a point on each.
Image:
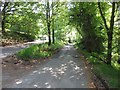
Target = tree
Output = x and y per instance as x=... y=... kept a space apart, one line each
x=53 y=31
x=109 y=30
x=48 y=22
x=5 y=5
x=8 y=8
x=21 y=19
x=83 y=16
x=53 y=23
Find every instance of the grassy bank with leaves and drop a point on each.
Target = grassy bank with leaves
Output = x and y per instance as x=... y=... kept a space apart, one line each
x=39 y=51
x=107 y=72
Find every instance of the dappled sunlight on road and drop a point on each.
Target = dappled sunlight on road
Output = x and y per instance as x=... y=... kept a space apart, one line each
x=55 y=73
x=18 y=81
x=63 y=71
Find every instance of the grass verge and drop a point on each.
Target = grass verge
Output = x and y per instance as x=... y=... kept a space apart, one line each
x=38 y=51
x=108 y=73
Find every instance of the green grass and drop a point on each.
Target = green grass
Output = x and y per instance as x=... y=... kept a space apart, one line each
x=107 y=72
x=38 y=51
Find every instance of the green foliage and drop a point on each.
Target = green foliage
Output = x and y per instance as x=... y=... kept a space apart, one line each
x=107 y=72
x=96 y=30
x=59 y=13
x=39 y=51
x=27 y=20
x=92 y=32
x=116 y=46
x=84 y=17
x=23 y=20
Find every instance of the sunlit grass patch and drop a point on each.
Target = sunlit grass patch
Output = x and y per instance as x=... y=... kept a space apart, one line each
x=38 y=51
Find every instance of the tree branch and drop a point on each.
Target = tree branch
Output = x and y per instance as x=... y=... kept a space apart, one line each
x=112 y=16
x=103 y=16
x=5 y=5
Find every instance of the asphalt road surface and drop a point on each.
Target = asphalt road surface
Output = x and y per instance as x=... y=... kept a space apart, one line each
x=63 y=70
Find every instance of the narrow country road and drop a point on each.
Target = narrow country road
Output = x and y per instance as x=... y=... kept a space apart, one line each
x=63 y=70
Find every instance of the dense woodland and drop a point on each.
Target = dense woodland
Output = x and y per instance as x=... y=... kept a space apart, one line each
x=92 y=26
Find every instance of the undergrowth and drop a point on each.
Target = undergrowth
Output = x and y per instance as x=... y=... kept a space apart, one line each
x=107 y=72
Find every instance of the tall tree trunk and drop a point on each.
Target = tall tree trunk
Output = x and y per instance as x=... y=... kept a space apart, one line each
x=109 y=51
x=109 y=31
x=48 y=23
x=49 y=34
x=4 y=17
x=3 y=24
x=110 y=34
x=53 y=33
